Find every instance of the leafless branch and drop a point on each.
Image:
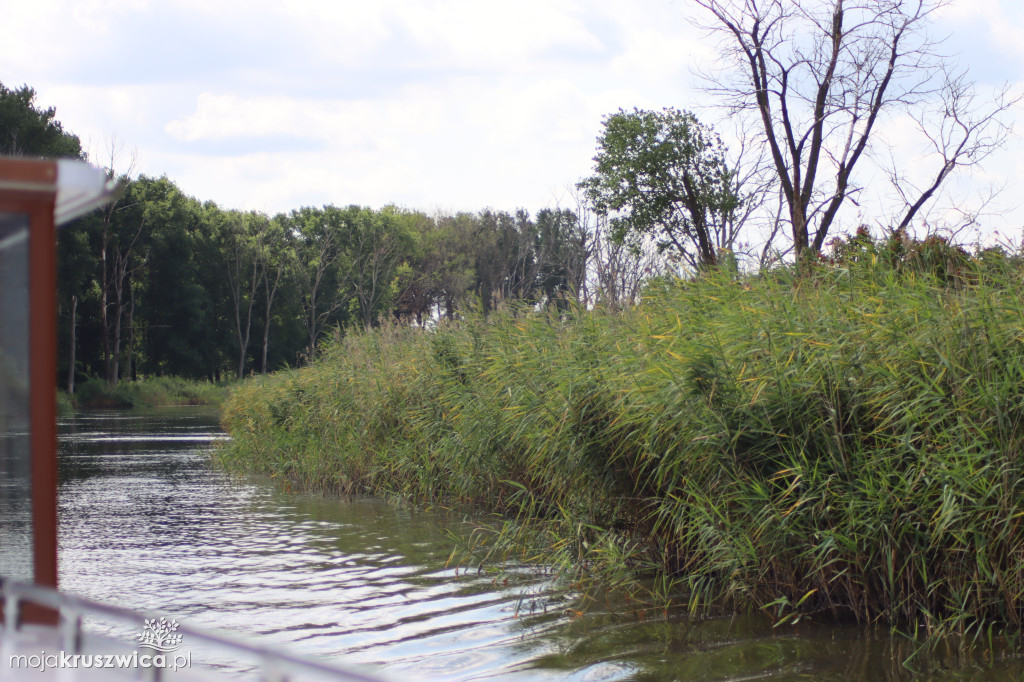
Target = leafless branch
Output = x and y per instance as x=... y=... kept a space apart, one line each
x=819 y=76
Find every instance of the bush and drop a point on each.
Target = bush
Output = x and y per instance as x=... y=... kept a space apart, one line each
x=65 y=404
x=148 y=392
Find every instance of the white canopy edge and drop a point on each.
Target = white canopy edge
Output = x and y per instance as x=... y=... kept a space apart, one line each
x=80 y=189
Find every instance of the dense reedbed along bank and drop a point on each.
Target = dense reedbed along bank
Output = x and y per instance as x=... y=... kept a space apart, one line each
x=847 y=443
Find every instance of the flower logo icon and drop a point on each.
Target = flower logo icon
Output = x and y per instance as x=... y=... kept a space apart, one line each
x=160 y=635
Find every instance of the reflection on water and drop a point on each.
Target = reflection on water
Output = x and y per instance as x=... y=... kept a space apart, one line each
x=146 y=523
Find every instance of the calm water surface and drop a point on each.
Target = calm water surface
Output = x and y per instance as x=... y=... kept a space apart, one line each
x=148 y=524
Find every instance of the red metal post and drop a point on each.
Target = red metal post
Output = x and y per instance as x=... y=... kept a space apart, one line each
x=30 y=189
x=43 y=392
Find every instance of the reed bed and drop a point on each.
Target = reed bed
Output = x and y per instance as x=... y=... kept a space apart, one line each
x=845 y=443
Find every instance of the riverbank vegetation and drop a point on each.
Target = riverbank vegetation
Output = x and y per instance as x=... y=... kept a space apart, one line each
x=159 y=283
x=845 y=442
x=667 y=379
x=145 y=392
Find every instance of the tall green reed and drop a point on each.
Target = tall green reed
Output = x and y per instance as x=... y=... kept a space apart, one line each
x=846 y=443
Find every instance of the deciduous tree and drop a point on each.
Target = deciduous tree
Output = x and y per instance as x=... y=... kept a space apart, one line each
x=374 y=244
x=26 y=130
x=317 y=238
x=665 y=174
x=277 y=260
x=242 y=236
x=820 y=76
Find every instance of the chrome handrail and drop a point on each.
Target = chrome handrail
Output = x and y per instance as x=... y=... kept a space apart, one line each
x=274 y=663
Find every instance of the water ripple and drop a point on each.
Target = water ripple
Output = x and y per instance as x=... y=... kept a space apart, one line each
x=148 y=524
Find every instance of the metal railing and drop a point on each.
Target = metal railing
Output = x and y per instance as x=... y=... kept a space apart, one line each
x=274 y=664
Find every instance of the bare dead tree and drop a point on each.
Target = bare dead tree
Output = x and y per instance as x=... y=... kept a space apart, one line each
x=770 y=253
x=819 y=75
x=614 y=271
x=126 y=264
x=754 y=231
x=585 y=283
x=109 y=275
x=961 y=134
x=620 y=269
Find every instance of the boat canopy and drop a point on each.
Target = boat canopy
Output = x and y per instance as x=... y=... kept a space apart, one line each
x=35 y=196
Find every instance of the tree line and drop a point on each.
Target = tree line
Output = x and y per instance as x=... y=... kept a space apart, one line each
x=163 y=283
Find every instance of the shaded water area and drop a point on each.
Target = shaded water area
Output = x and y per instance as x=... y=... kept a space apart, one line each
x=148 y=523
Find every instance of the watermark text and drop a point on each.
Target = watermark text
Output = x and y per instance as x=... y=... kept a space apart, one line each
x=62 y=660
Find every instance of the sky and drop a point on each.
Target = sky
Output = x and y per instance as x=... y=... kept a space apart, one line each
x=436 y=105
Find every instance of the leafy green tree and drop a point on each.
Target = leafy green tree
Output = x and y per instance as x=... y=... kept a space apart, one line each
x=317 y=238
x=276 y=259
x=182 y=294
x=241 y=244
x=451 y=262
x=26 y=130
x=375 y=243
x=562 y=255
x=505 y=258
x=415 y=277
x=664 y=174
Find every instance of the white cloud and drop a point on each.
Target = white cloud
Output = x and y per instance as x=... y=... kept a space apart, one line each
x=508 y=35
x=480 y=144
x=220 y=116
x=452 y=103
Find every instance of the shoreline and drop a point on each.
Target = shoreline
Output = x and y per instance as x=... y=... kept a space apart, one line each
x=846 y=443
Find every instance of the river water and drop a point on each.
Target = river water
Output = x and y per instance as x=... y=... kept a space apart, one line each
x=147 y=523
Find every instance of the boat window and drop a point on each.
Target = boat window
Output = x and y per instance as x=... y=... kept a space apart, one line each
x=15 y=456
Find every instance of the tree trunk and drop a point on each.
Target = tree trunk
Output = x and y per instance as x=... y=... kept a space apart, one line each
x=115 y=364
x=105 y=284
x=266 y=345
x=71 y=358
x=271 y=292
x=243 y=346
x=129 y=357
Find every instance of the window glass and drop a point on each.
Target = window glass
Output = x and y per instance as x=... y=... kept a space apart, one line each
x=15 y=454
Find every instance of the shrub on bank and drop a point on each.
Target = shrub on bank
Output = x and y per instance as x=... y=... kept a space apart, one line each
x=146 y=392
x=848 y=442
x=65 y=403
